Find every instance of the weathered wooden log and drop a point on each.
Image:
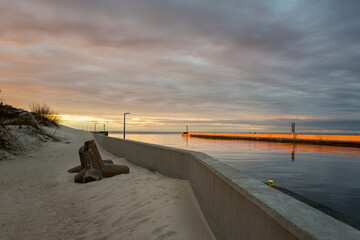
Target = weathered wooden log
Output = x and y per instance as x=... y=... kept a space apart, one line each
x=108 y=161
x=82 y=157
x=90 y=162
x=92 y=167
x=78 y=168
x=93 y=158
x=110 y=170
x=80 y=176
x=92 y=174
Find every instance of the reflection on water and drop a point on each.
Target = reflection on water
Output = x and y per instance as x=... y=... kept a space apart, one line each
x=325 y=174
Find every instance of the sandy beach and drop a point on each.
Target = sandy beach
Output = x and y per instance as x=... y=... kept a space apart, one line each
x=39 y=199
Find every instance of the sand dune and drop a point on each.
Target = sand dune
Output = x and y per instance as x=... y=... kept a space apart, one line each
x=39 y=199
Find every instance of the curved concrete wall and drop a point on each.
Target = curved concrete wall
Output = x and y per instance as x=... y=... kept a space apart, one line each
x=235 y=205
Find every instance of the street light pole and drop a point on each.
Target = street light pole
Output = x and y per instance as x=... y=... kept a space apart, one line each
x=124 y=123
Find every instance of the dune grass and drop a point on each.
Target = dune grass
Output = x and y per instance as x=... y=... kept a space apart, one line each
x=46 y=112
x=42 y=115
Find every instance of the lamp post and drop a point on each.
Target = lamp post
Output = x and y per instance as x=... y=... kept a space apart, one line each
x=124 y=123
x=95 y=127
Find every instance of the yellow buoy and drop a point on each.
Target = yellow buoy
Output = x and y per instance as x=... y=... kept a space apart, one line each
x=271 y=183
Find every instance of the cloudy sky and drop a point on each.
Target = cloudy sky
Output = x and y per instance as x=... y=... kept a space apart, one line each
x=241 y=65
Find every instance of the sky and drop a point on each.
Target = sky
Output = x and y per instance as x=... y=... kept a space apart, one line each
x=232 y=65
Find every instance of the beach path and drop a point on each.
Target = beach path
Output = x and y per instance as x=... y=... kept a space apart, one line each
x=39 y=199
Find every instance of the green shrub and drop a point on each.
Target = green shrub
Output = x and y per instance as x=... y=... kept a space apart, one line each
x=46 y=112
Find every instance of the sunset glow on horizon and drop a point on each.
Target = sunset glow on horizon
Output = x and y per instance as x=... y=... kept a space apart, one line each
x=222 y=66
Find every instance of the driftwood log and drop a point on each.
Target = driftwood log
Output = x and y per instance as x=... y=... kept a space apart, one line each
x=92 y=167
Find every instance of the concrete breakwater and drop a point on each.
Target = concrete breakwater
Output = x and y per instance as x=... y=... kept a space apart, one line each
x=336 y=140
x=235 y=205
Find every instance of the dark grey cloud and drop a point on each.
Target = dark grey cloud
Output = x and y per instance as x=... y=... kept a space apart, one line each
x=244 y=59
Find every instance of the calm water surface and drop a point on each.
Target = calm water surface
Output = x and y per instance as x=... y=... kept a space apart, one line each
x=326 y=174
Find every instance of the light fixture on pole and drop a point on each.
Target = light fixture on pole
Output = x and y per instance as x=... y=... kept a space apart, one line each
x=124 y=123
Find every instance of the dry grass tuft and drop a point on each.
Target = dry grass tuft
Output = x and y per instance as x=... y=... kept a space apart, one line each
x=46 y=112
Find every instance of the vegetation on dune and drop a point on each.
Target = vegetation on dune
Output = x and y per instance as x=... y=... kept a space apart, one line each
x=14 y=116
x=45 y=112
x=41 y=115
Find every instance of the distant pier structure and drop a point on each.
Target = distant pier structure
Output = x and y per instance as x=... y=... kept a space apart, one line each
x=323 y=139
x=106 y=133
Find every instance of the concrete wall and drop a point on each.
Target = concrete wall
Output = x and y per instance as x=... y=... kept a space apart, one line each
x=235 y=205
